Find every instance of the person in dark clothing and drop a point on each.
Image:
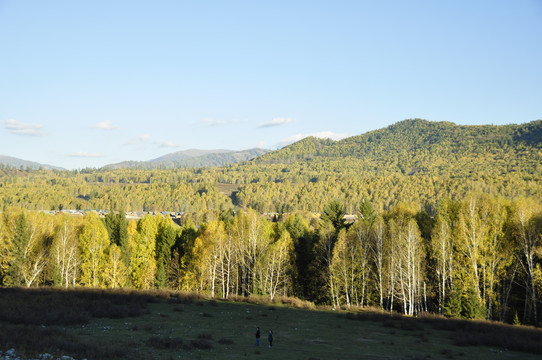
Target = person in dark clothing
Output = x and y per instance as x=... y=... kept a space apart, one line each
x=258 y=336
x=270 y=339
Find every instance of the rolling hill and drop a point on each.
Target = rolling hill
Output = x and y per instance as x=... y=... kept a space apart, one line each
x=416 y=145
x=192 y=158
x=25 y=164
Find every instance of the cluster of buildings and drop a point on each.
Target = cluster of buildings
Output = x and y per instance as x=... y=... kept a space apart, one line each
x=132 y=215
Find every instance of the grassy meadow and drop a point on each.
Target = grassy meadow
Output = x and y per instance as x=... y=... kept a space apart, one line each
x=100 y=324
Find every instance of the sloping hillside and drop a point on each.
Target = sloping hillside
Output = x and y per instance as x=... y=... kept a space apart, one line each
x=25 y=164
x=192 y=158
x=418 y=145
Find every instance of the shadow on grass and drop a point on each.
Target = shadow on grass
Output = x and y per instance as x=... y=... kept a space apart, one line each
x=51 y=306
x=36 y=339
x=463 y=332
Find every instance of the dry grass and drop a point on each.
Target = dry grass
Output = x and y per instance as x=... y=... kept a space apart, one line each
x=277 y=300
x=463 y=332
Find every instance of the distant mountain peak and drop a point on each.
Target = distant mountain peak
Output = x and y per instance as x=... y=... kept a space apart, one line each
x=193 y=158
x=25 y=164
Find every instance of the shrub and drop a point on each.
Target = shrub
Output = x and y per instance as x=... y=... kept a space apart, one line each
x=164 y=342
x=225 y=341
x=202 y=344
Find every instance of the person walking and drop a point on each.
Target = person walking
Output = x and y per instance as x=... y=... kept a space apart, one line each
x=258 y=336
x=270 y=338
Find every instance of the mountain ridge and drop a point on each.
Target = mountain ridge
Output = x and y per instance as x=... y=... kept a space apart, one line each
x=192 y=158
x=11 y=161
x=412 y=135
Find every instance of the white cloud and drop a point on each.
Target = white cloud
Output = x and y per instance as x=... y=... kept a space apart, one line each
x=138 y=139
x=19 y=128
x=211 y=122
x=105 y=125
x=144 y=141
x=275 y=122
x=168 y=144
x=322 y=135
x=84 y=154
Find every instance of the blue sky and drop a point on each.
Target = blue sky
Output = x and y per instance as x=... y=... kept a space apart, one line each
x=88 y=83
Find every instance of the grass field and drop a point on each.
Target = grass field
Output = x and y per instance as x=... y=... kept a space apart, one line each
x=104 y=324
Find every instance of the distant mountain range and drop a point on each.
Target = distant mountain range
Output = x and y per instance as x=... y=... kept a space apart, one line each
x=192 y=158
x=179 y=159
x=25 y=164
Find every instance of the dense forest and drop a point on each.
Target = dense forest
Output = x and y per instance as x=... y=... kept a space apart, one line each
x=448 y=220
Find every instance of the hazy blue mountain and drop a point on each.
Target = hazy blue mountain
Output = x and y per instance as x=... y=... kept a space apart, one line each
x=25 y=164
x=192 y=158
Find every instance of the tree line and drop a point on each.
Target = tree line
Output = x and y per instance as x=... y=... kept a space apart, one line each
x=477 y=257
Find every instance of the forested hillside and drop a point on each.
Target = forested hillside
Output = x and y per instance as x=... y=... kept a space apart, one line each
x=436 y=148
x=449 y=220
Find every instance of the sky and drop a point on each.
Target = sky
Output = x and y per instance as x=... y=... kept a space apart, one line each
x=89 y=83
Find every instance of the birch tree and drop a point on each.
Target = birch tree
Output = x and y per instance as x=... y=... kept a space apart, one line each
x=343 y=269
x=206 y=256
x=252 y=235
x=5 y=247
x=28 y=246
x=471 y=232
x=496 y=254
x=408 y=264
x=227 y=269
x=36 y=250
x=324 y=259
x=65 y=251
x=442 y=252
x=278 y=267
x=379 y=258
x=406 y=261
x=93 y=246
x=527 y=223
x=143 y=262
x=115 y=273
x=165 y=240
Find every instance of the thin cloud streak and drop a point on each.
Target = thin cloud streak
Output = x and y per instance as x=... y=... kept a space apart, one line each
x=218 y=122
x=168 y=144
x=84 y=154
x=275 y=122
x=105 y=125
x=19 y=128
x=212 y=123
x=138 y=140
